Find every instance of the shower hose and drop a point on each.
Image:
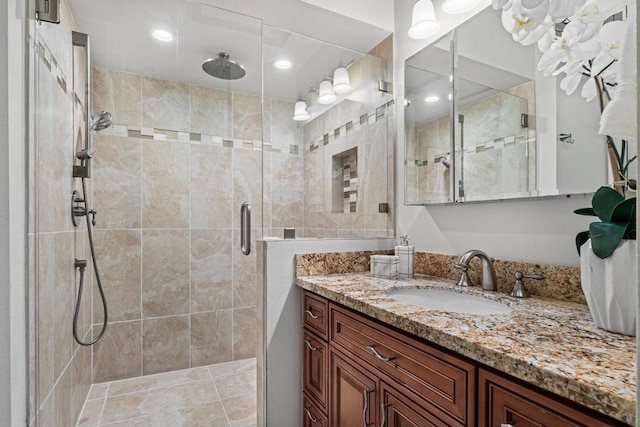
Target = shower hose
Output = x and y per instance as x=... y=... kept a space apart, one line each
x=81 y=265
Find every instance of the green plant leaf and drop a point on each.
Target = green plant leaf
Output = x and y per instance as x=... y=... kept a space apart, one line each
x=581 y=239
x=585 y=211
x=604 y=201
x=605 y=237
x=625 y=211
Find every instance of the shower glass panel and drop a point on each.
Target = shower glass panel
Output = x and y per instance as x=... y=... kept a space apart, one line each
x=328 y=174
x=168 y=180
x=494 y=146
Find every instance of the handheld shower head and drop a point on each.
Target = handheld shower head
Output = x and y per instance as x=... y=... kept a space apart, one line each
x=100 y=121
x=445 y=162
x=85 y=154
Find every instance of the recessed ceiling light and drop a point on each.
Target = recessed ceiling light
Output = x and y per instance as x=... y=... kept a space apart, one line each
x=162 y=35
x=282 y=64
x=432 y=98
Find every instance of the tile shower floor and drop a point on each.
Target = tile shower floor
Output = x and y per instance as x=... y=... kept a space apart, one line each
x=211 y=396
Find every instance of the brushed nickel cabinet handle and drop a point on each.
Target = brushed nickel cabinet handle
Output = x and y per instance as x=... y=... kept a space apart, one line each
x=366 y=407
x=310 y=415
x=383 y=411
x=508 y=425
x=378 y=355
x=312 y=348
x=310 y=314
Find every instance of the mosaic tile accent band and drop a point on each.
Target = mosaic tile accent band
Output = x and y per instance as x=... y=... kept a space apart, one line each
x=354 y=125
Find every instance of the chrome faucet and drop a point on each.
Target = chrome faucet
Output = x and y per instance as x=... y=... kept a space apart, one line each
x=489 y=282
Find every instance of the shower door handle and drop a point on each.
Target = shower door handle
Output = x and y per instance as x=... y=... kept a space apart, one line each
x=245 y=228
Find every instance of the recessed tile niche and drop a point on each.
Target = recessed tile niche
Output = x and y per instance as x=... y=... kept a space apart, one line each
x=344 y=182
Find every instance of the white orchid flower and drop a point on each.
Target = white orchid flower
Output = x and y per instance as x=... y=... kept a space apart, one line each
x=568 y=49
x=501 y=4
x=521 y=21
x=589 y=90
x=571 y=82
x=547 y=40
x=538 y=33
x=599 y=10
x=559 y=10
x=611 y=35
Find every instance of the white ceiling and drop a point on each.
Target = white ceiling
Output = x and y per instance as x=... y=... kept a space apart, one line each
x=120 y=40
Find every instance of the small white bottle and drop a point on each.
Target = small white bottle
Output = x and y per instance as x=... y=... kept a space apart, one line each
x=406 y=254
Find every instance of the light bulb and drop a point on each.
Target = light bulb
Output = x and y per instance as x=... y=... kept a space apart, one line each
x=341 y=81
x=300 y=112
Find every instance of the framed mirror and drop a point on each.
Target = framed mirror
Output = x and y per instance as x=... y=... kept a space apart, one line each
x=482 y=123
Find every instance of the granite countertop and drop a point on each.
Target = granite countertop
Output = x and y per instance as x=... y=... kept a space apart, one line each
x=549 y=343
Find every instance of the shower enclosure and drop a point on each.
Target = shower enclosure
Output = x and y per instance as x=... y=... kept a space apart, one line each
x=186 y=151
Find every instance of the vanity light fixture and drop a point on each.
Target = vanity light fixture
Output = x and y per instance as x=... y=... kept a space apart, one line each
x=458 y=6
x=432 y=98
x=300 y=112
x=326 y=95
x=162 y=35
x=423 y=20
x=341 y=80
x=282 y=64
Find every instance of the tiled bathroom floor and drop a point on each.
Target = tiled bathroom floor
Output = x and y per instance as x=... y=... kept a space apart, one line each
x=211 y=396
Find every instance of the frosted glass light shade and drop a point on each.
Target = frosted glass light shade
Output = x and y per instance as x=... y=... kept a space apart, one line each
x=326 y=95
x=300 y=112
x=341 y=80
x=423 y=20
x=458 y=6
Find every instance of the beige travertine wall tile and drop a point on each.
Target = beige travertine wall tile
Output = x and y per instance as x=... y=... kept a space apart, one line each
x=247 y=184
x=165 y=104
x=119 y=354
x=90 y=416
x=62 y=397
x=211 y=187
x=244 y=333
x=46 y=309
x=80 y=380
x=165 y=344
x=211 y=337
x=64 y=288
x=165 y=191
x=211 y=270
x=165 y=272
x=286 y=190
x=244 y=273
x=284 y=130
x=247 y=112
x=118 y=93
x=210 y=110
x=117 y=181
x=119 y=255
x=46 y=415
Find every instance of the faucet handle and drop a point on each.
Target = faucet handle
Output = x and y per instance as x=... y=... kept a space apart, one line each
x=519 y=291
x=461 y=266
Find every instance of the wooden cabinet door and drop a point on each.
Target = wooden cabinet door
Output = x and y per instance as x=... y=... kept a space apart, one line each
x=353 y=394
x=504 y=402
x=396 y=410
x=311 y=415
x=315 y=372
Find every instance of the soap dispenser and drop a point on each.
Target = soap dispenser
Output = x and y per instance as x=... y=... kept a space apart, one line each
x=406 y=254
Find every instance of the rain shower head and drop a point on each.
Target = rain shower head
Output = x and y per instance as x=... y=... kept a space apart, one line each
x=223 y=68
x=100 y=121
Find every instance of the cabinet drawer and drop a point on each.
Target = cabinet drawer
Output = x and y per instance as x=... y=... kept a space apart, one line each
x=315 y=312
x=505 y=402
x=315 y=372
x=311 y=415
x=446 y=383
x=396 y=410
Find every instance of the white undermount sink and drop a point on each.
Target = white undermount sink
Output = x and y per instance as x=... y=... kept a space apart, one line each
x=437 y=299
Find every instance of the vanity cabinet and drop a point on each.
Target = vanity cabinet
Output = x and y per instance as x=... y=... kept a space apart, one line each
x=504 y=402
x=361 y=372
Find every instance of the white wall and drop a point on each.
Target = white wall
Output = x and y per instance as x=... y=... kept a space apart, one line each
x=13 y=379
x=533 y=230
x=282 y=301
